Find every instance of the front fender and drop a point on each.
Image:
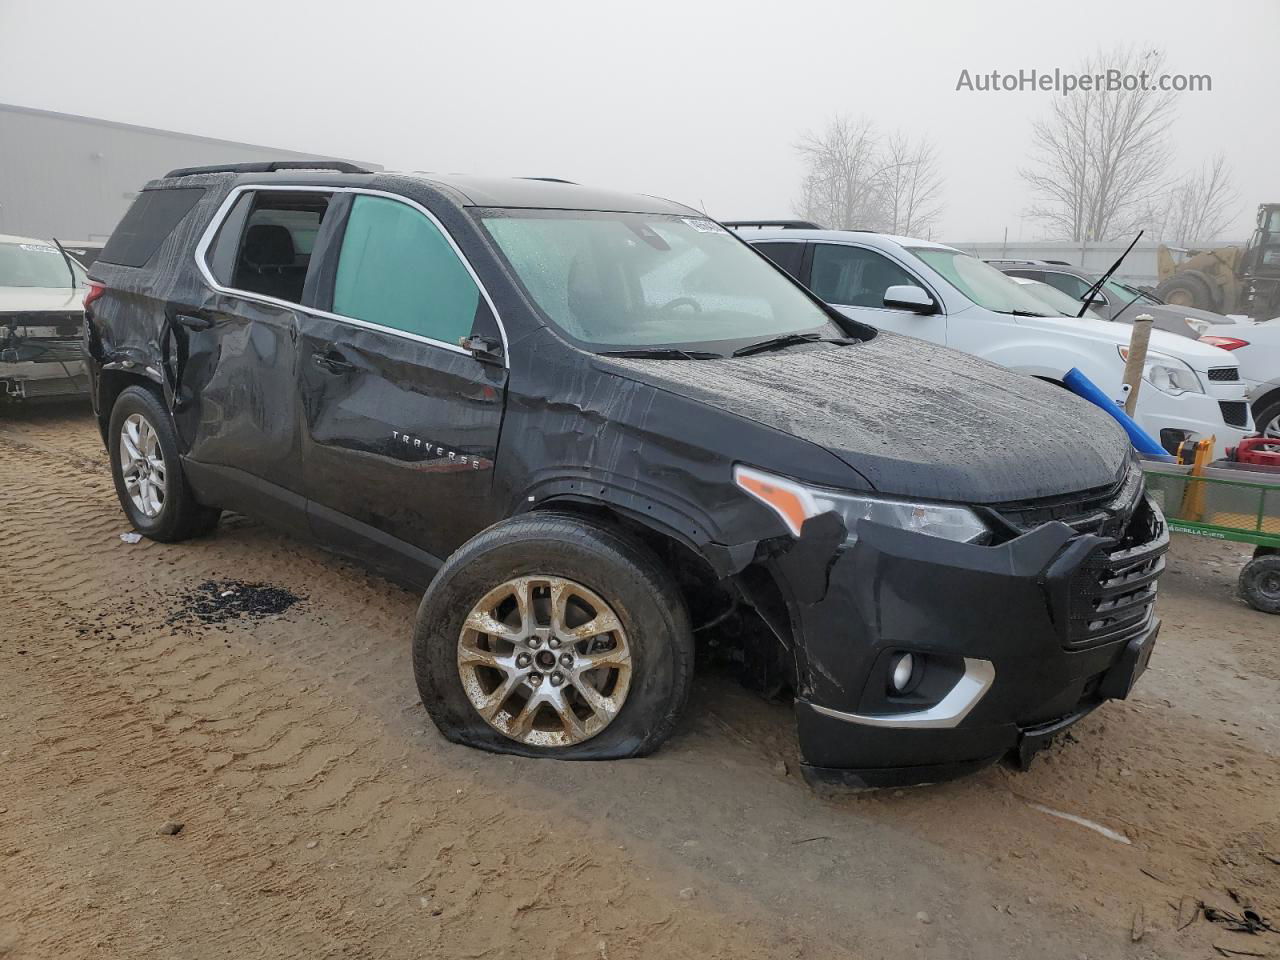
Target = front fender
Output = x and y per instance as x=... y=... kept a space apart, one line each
x=1052 y=362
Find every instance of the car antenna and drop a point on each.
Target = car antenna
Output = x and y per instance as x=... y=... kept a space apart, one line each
x=66 y=258
x=1097 y=285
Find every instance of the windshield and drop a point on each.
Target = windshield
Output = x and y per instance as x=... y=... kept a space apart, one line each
x=983 y=284
x=36 y=265
x=631 y=280
x=1063 y=304
x=1124 y=293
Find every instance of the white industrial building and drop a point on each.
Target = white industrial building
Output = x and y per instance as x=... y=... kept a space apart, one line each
x=73 y=177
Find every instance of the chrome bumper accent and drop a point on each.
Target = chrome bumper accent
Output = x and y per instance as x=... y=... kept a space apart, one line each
x=948 y=712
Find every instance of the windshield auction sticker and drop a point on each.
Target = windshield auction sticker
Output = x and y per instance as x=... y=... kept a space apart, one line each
x=703 y=226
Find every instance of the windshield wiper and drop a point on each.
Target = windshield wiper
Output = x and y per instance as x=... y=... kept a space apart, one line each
x=1025 y=313
x=788 y=340
x=662 y=353
x=1097 y=284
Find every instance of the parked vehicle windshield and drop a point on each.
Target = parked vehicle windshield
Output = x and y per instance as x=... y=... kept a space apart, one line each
x=630 y=280
x=1124 y=293
x=36 y=265
x=982 y=283
x=1063 y=303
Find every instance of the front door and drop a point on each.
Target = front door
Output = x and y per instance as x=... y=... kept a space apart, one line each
x=400 y=421
x=854 y=280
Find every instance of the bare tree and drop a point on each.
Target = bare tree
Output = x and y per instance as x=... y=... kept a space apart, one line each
x=855 y=180
x=911 y=185
x=1201 y=205
x=1099 y=158
x=841 y=182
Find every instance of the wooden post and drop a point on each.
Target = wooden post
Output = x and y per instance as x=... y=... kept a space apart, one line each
x=1138 y=341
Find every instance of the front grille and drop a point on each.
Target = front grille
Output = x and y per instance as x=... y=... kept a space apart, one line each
x=1224 y=374
x=1235 y=412
x=1092 y=511
x=1102 y=586
x=50 y=323
x=1112 y=596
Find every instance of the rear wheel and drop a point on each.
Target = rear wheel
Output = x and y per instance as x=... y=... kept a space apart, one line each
x=1260 y=581
x=148 y=473
x=553 y=636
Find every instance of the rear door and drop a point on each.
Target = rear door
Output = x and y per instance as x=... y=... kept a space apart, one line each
x=400 y=421
x=854 y=279
x=232 y=359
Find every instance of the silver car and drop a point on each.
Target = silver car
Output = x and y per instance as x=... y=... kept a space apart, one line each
x=1115 y=300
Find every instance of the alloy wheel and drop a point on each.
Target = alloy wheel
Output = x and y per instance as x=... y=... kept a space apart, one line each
x=544 y=661
x=142 y=465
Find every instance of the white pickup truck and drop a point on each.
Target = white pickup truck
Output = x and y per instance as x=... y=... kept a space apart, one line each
x=1192 y=390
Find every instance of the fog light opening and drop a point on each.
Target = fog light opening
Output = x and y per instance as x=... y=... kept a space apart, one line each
x=901 y=673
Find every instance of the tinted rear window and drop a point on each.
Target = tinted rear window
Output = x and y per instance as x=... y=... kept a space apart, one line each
x=144 y=227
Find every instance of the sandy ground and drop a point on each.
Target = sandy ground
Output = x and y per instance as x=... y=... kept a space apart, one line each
x=322 y=814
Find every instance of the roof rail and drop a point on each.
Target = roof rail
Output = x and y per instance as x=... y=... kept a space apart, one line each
x=783 y=224
x=270 y=166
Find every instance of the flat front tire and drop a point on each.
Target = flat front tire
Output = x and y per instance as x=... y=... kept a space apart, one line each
x=549 y=635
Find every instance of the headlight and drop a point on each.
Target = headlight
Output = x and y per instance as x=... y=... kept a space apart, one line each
x=1167 y=374
x=795 y=503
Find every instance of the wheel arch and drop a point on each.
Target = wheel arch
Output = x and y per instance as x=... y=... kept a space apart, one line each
x=113 y=379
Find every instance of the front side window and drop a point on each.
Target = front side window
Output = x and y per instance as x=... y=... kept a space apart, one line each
x=37 y=265
x=630 y=280
x=396 y=269
x=854 y=276
x=982 y=283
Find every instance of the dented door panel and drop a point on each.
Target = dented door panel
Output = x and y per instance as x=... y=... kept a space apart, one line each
x=398 y=434
x=236 y=387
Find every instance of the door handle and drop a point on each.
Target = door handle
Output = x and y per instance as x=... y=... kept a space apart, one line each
x=192 y=323
x=331 y=362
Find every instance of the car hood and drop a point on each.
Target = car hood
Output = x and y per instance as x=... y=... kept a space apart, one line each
x=1200 y=356
x=913 y=418
x=15 y=299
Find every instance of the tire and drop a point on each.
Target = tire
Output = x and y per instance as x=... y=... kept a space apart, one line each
x=1266 y=418
x=1260 y=582
x=593 y=564
x=177 y=515
x=1187 y=289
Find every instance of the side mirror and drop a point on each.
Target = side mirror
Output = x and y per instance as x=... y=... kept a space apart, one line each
x=905 y=296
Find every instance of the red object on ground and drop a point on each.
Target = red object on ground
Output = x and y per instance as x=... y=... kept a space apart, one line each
x=1264 y=451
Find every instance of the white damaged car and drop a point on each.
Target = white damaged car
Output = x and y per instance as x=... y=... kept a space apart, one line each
x=1192 y=390
x=41 y=320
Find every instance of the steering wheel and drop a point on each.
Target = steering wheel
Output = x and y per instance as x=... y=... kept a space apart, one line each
x=682 y=302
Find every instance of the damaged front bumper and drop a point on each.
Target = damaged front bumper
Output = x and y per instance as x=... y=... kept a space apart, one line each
x=1011 y=644
x=41 y=361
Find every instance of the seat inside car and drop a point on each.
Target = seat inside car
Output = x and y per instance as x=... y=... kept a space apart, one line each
x=269 y=263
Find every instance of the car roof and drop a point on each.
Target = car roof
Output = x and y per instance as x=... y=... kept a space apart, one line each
x=882 y=240
x=542 y=193
x=551 y=194
x=9 y=238
x=1044 y=266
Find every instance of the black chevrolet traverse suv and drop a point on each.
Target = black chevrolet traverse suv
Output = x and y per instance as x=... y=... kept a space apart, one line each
x=589 y=424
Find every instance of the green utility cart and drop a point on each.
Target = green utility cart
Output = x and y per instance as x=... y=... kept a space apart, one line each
x=1227 y=502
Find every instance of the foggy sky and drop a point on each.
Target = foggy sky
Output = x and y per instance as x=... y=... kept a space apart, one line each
x=701 y=102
